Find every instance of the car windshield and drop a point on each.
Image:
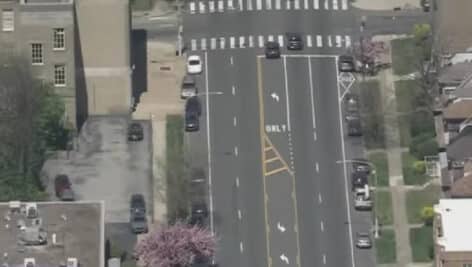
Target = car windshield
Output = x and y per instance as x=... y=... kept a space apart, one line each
x=194 y=62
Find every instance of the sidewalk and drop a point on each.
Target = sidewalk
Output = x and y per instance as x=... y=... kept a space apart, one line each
x=385 y=4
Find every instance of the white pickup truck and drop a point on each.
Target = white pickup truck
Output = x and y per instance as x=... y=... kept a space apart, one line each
x=362 y=198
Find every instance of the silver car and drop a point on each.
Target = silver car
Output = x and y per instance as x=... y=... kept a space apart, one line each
x=189 y=87
x=363 y=240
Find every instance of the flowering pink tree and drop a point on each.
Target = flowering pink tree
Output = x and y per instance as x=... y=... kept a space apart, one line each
x=177 y=245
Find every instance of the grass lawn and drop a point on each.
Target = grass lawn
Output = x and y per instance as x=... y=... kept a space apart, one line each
x=416 y=200
x=385 y=247
x=403 y=56
x=142 y=5
x=371 y=111
x=405 y=92
x=177 y=189
x=410 y=175
x=383 y=207
x=421 y=240
x=379 y=159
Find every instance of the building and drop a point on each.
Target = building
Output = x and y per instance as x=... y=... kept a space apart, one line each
x=74 y=46
x=52 y=233
x=452 y=230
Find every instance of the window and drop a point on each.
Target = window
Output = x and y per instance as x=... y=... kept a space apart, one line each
x=8 y=20
x=59 y=75
x=37 y=54
x=59 y=39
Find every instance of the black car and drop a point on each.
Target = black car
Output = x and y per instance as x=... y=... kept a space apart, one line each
x=354 y=126
x=199 y=213
x=359 y=180
x=135 y=132
x=360 y=166
x=351 y=104
x=346 y=63
x=193 y=106
x=137 y=204
x=192 y=122
x=272 y=49
x=294 y=41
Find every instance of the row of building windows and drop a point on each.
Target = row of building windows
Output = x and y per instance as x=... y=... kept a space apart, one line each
x=59 y=69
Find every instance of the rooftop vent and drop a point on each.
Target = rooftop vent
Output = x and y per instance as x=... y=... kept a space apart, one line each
x=72 y=262
x=31 y=210
x=29 y=262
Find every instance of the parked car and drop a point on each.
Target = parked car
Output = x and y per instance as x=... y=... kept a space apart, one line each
x=138 y=222
x=363 y=240
x=193 y=106
x=361 y=166
x=137 y=204
x=135 y=131
x=354 y=126
x=199 y=212
x=358 y=180
x=426 y=5
x=189 y=87
x=346 y=63
x=294 y=42
x=272 y=49
x=194 y=64
x=351 y=104
x=362 y=198
x=63 y=188
x=192 y=122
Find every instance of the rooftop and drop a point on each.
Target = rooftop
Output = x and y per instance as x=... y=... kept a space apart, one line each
x=459 y=109
x=460 y=147
x=455 y=74
x=455 y=31
x=455 y=223
x=52 y=233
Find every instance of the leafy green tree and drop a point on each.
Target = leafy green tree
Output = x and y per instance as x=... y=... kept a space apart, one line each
x=427 y=215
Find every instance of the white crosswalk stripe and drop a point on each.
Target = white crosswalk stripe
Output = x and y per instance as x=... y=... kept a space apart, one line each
x=309 y=41
x=213 y=43
x=268 y=4
x=297 y=4
x=201 y=7
x=260 y=41
x=193 y=44
x=287 y=4
x=231 y=42
x=344 y=4
x=270 y=38
x=230 y=4
x=222 y=43
x=211 y=6
x=330 y=42
x=192 y=7
x=277 y=4
x=348 y=40
x=220 y=6
x=258 y=4
x=280 y=40
x=335 y=4
x=203 y=43
x=305 y=4
x=249 y=4
x=251 y=41
x=242 y=43
x=316 y=4
x=326 y=4
x=319 y=41
x=338 y=41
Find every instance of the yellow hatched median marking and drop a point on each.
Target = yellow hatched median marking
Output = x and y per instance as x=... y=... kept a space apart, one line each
x=270 y=147
x=276 y=171
x=271 y=160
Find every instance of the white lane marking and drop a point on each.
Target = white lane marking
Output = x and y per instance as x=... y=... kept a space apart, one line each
x=320 y=199
x=297 y=4
x=287 y=4
x=346 y=190
x=270 y=38
x=286 y=94
x=211 y=6
x=201 y=7
x=235 y=121
x=258 y=4
x=220 y=6
x=281 y=40
x=335 y=4
x=236 y=151
x=233 y=90
x=249 y=4
x=210 y=185
x=348 y=41
x=314 y=135
x=317 y=167
x=192 y=7
x=231 y=42
x=305 y=4
x=251 y=41
x=213 y=43
x=312 y=97
x=268 y=4
x=240 y=4
x=231 y=60
x=330 y=42
x=344 y=4
x=240 y=216
x=237 y=182
x=230 y=4
x=277 y=4
x=326 y=4
x=322 y=226
x=316 y=4
x=241 y=247
x=338 y=41
x=242 y=43
x=193 y=44
x=324 y=259
x=222 y=43
x=260 y=39
x=203 y=43
x=309 y=42
x=319 y=41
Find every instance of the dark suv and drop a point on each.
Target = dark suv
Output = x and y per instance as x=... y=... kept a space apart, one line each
x=193 y=110
x=354 y=126
x=137 y=218
x=294 y=41
x=135 y=132
x=199 y=213
x=272 y=49
x=346 y=63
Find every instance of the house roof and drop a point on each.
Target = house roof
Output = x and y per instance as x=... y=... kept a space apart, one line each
x=455 y=224
x=455 y=74
x=455 y=32
x=463 y=187
x=464 y=90
x=460 y=109
x=72 y=230
x=460 y=147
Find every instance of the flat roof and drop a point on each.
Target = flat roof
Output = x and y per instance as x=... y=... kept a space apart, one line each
x=71 y=230
x=455 y=222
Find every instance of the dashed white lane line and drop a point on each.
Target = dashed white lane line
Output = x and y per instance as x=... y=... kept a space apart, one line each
x=317 y=167
x=241 y=247
x=322 y=226
x=236 y=151
x=235 y=121
x=240 y=216
x=231 y=60
x=237 y=182
x=320 y=199
x=233 y=90
x=314 y=136
x=324 y=259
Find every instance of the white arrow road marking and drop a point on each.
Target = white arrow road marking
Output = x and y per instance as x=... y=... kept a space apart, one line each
x=348 y=41
x=251 y=41
x=284 y=259
x=319 y=41
x=232 y=42
x=201 y=6
x=280 y=227
x=271 y=38
x=222 y=43
x=242 y=42
x=309 y=42
x=281 y=40
x=338 y=41
x=275 y=97
x=260 y=40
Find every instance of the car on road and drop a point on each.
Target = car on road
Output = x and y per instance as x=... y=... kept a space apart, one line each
x=358 y=180
x=294 y=41
x=194 y=64
x=193 y=110
x=189 y=87
x=192 y=122
x=63 y=188
x=272 y=49
x=354 y=126
x=137 y=204
x=346 y=63
x=135 y=131
x=363 y=240
x=199 y=212
x=193 y=105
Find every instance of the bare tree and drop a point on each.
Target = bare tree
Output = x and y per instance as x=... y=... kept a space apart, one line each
x=177 y=245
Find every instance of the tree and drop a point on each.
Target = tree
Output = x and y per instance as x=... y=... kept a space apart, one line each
x=177 y=245
x=427 y=215
x=421 y=33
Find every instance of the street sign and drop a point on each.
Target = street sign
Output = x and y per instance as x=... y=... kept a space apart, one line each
x=346 y=80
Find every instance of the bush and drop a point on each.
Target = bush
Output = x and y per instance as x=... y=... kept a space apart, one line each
x=423 y=145
x=427 y=215
x=421 y=122
x=419 y=167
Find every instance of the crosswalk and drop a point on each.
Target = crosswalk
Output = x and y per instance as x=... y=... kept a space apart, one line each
x=258 y=41
x=218 y=6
